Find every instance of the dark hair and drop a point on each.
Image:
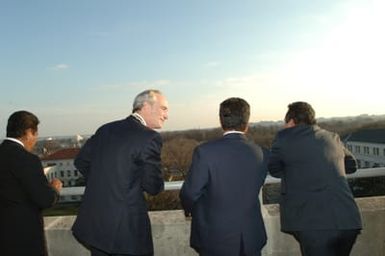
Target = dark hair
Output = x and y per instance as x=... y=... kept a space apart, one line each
x=234 y=114
x=19 y=122
x=301 y=113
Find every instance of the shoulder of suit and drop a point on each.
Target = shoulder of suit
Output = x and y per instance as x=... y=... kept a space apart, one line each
x=19 y=150
x=327 y=133
x=284 y=132
x=213 y=143
x=141 y=129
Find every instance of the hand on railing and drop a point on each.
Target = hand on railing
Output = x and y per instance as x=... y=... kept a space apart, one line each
x=187 y=215
x=57 y=184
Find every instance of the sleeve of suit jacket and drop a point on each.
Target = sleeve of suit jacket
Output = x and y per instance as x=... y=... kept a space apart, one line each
x=152 y=179
x=195 y=182
x=31 y=176
x=83 y=159
x=349 y=159
x=275 y=163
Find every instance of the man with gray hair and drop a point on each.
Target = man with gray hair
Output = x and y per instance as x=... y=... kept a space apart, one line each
x=120 y=162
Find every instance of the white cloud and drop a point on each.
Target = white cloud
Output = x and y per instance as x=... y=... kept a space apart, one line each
x=60 y=67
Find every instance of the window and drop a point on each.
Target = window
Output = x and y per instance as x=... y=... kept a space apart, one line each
x=62 y=174
x=357 y=149
x=69 y=173
x=76 y=173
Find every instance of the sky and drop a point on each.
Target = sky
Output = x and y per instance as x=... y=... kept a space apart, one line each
x=77 y=64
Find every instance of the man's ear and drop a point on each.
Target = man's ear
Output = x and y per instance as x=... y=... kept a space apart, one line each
x=30 y=132
x=290 y=123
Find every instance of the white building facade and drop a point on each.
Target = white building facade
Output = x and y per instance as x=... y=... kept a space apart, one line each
x=368 y=146
x=60 y=165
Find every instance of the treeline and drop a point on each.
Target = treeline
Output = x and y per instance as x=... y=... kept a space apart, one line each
x=178 y=147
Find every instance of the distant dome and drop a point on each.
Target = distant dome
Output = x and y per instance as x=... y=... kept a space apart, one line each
x=79 y=138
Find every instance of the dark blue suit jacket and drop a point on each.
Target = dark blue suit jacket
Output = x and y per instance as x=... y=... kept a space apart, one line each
x=221 y=191
x=24 y=192
x=120 y=162
x=313 y=163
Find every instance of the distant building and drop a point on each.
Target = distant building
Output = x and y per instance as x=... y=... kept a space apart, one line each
x=368 y=146
x=48 y=145
x=60 y=165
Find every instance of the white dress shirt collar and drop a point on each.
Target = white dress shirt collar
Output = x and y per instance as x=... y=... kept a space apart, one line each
x=139 y=118
x=230 y=132
x=15 y=140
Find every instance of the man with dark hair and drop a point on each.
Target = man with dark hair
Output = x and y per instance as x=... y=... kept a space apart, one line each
x=222 y=187
x=317 y=205
x=301 y=113
x=24 y=189
x=120 y=162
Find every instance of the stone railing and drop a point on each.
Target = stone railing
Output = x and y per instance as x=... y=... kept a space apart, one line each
x=171 y=230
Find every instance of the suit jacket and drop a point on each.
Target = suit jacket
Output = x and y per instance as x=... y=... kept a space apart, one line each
x=315 y=194
x=221 y=191
x=119 y=163
x=24 y=192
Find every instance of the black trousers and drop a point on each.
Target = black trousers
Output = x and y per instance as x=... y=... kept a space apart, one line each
x=326 y=242
x=97 y=252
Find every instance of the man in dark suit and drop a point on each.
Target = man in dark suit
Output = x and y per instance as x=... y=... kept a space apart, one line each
x=222 y=187
x=120 y=162
x=317 y=205
x=24 y=189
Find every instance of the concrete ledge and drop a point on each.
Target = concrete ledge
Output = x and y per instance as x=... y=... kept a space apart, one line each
x=171 y=233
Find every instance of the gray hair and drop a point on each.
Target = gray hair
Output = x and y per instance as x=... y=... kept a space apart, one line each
x=148 y=96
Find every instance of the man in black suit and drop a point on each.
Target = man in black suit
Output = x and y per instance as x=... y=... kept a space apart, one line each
x=120 y=162
x=222 y=187
x=317 y=205
x=24 y=189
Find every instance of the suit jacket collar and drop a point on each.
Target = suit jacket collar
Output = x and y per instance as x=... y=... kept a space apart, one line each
x=234 y=136
x=138 y=117
x=133 y=119
x=11 y=143
x=15 y=141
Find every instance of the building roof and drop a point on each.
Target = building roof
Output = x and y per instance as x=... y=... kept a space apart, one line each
x=67 y=153
x=368 y=135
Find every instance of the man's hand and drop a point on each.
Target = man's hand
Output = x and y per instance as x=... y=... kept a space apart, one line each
x=56 y=184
